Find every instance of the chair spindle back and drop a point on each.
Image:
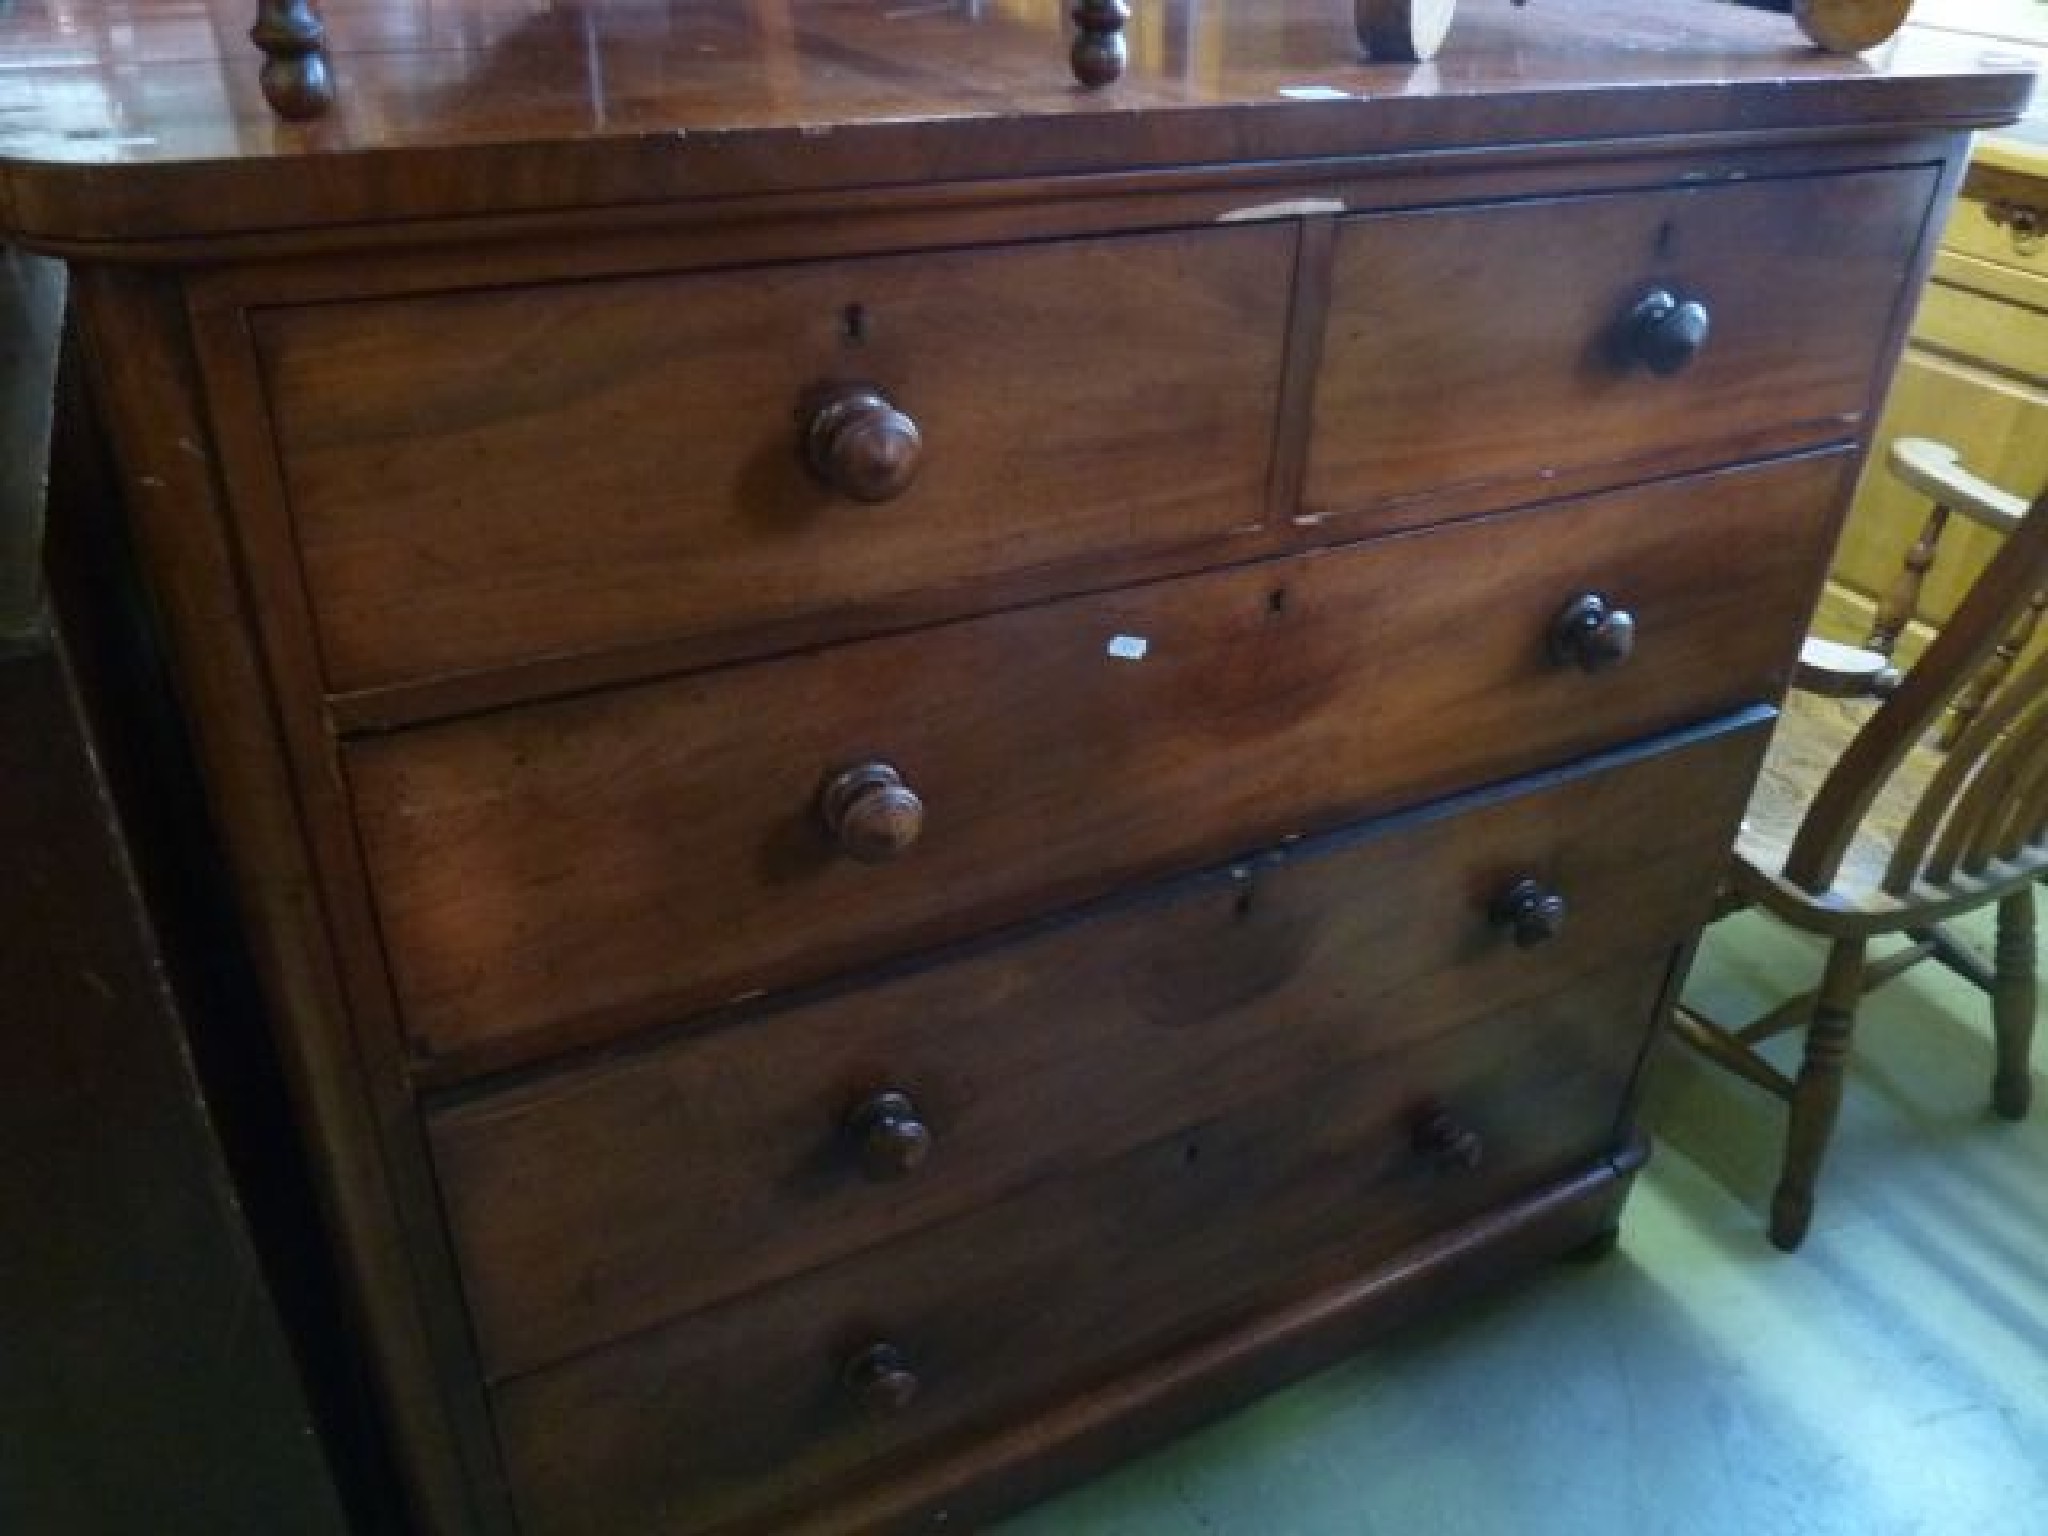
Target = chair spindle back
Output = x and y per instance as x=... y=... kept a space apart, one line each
x=1985 y=802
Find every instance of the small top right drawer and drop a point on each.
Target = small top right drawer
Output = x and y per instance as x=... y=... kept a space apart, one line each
x=1474 y=357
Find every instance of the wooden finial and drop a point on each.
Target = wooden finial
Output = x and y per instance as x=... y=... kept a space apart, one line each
x=1850 y=26
x=296 y=79
x=1403 y=31
x=1099 y=50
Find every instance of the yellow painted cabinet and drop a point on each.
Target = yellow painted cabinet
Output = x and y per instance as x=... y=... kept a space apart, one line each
x=1975 y=372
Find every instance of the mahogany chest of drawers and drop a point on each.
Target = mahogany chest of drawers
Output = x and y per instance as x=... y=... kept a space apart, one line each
x=931 y=773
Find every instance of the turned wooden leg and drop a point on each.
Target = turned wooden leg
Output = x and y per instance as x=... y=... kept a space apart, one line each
x=2012 y=1004
x=1817 y=1093
x=296 y=80
x=1901 y=599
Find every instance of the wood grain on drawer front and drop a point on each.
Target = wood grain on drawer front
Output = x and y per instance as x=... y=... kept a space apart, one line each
x=736 y=1410
x=565 y=871
x=478 y=479
x=595 y=1204
x=1469 y=354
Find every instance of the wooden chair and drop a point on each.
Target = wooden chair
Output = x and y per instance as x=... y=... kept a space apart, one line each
x=1861 y=827
x=1936 y=471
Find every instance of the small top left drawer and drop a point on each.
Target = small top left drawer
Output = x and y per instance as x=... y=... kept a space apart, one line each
x=480 y=479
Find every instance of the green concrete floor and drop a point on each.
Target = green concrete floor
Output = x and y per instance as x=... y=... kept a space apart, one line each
x=1890 y=1378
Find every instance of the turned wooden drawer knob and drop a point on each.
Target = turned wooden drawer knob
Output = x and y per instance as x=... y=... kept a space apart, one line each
x=1664 y=332
x=1592 y=633
x=871 y=813
x=1531 y=911
x=891 y=1139
x=1445 y=1141
x=881 y=1381
x=862 y=446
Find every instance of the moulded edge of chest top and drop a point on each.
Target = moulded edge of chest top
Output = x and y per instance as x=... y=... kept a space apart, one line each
x=312 y=266
x=274 y=194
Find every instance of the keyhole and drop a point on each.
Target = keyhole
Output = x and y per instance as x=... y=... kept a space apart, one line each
x=853 y=323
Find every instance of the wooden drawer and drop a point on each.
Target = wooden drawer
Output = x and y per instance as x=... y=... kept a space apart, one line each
x=2008 y=341
x=478 y=479
x=565 y=871
x=1474 y=355
x=2001 y=218
x=729 y=1413
x=595 y=1204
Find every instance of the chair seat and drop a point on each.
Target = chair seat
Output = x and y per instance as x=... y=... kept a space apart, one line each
x=1811 y=736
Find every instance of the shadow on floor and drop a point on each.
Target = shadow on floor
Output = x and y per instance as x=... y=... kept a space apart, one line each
x=1891 y=1379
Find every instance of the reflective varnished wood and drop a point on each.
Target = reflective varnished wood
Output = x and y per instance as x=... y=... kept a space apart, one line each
x=500 y=107
x=592 y=1205
x=761 y=444
x=1263 y=700
x=861 y=446
x=872 y=816
x=1575 y=363
x=678 y=524
x=1592 y=632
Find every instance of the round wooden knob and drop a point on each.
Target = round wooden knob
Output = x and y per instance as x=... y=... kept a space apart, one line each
x=1592 y=633
x=891 y=1139
x=1531 y=911
x=1445 y=1141
x=862 y=446
x=881 y=1380
x=1664 y=332
x=1850 y=26
x=871 y=813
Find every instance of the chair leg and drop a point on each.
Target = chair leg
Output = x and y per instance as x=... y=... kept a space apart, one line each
x=1817 y=1094
x=2012 y=1004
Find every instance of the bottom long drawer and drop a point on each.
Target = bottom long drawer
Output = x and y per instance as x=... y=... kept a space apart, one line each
x=782 y=1395
x=742 y=1408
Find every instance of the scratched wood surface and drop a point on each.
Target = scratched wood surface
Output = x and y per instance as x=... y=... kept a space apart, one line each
x=528 y=472
x=596 y=1203
x=548 y=838
x=498 y=107
x=1542 y=370
x=562 y=873
x=713 y=1422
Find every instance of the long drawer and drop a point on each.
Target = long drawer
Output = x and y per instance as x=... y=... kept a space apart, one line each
x=596 y=1203
x=817 y=1382
x=1562 y=365
x=479 y=479
x=562 y=872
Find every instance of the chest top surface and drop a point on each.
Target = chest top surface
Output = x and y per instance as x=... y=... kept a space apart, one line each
x=134 y=123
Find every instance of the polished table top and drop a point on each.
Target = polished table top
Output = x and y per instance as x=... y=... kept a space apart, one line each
x=114 y=116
